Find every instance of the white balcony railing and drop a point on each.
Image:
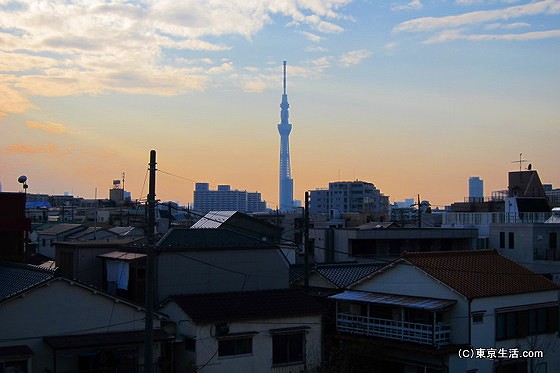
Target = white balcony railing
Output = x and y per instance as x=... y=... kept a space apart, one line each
x=426 y=334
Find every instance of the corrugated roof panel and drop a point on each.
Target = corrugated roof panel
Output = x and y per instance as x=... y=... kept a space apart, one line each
x=429 y=304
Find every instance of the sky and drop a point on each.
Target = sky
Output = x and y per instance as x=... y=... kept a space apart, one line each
x=412 y=96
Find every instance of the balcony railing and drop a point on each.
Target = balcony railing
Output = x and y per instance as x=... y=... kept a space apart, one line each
x=426 y=334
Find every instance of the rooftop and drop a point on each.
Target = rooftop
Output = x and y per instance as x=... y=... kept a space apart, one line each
x=186 y=238
x=247 y=305
x=15 y=278
x=341 y=275
x=479 y=273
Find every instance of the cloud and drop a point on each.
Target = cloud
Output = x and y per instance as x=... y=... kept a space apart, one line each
x=12 y=101
x=61 y=48
x=316 y=49
x=413 y=5
x=425 y=24
x=48 y=149
x=254 y=86
x=451 y=35
x=507 y=26
x=354 y=57
x=311 y=37
x=49 y=127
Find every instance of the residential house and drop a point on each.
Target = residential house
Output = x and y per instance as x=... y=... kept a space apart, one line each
x=79 y=260
x=216 y=260
x=277 y=331
x=241 y=223
x=54 y=324
x=55 y=233
x=429 y=311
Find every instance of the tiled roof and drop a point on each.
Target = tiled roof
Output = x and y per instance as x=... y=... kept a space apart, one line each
x=479 y=273
x=248 y=305
x=341 y=275
x=185 y=238
x=15 y=278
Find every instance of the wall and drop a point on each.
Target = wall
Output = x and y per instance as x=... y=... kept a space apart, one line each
x=207 y=271
x=58 y=308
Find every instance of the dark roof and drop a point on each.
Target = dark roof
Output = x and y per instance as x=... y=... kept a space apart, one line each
x=184 y=238
x=341 y=275
x=122 y=256
x=127 y=241
x=61 y=228
x=479 y=273
x=248 y=305
x=15 y=278
x=63 y=342
x=19 y=351
x=532 y=205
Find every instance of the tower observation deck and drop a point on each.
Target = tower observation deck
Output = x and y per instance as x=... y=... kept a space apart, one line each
x=286 y=189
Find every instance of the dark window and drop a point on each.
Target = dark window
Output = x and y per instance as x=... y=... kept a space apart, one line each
x=511 y=239
x=288 y=348
x=519 y=324
x=477 y=317
x=502 y=240
x=553 y=238
x=235 y=346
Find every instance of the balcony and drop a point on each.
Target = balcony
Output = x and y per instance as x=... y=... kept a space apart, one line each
x=393 y=316
x=437 y=335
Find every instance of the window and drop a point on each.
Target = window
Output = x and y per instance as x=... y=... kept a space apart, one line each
x=235 y=346
x=288 y=348
x=477 y=317
x=502 y=240
x=511 y=239
x=552 y=237
x=528 y=321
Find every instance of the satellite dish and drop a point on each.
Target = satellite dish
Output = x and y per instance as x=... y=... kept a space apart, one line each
x=22 y=179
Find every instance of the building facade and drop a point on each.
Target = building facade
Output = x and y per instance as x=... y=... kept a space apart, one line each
x=226 y=199
x=348 y=196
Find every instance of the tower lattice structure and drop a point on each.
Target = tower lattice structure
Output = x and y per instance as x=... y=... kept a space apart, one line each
x=284 y=128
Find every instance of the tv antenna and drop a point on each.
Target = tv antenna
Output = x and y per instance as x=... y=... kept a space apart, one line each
x=520 y=161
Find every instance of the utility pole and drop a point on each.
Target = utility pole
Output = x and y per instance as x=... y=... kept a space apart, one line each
x=306 y=240
x=149 y=325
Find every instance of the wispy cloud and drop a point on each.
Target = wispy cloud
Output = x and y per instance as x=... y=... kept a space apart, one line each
x=354 y=57
x=451 y=35
x=478 y=17
x=254 y=86
x=412 y=5
x=49 y=149
x=50 y=127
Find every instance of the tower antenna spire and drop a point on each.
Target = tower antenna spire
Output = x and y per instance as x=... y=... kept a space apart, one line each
x=284 y=77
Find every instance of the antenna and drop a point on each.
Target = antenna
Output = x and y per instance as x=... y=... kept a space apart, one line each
x=284 y=77
x=520 y=161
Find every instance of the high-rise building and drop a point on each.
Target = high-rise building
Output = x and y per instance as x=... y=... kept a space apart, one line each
x=286 y=187
x=476 y=189
x=226 y=199
x=348 y=196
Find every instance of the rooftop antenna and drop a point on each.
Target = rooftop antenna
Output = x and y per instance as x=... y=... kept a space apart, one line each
x=520 y=161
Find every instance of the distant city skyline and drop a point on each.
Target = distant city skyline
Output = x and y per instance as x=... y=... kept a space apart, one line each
x=412 y=96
